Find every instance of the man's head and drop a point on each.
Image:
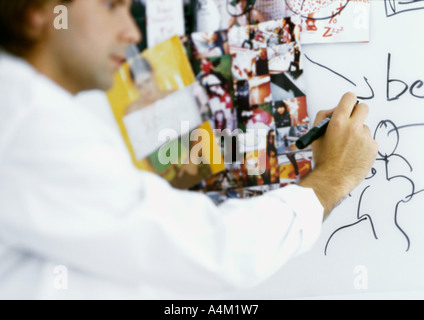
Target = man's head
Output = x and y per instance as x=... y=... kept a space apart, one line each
x=15 y=35
x=86 y=54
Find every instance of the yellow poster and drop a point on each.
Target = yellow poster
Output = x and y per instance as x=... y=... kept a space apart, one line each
x=156 y=103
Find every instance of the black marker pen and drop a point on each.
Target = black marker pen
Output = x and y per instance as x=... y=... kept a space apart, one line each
x=315 y=133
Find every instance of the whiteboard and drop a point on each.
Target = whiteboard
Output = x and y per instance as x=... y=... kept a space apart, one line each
x=383 y=206
x=356 y=264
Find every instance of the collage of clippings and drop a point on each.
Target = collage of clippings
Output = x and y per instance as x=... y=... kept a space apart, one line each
x=253 y=75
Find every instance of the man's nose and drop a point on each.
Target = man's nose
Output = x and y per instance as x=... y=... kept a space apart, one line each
x=131 y=33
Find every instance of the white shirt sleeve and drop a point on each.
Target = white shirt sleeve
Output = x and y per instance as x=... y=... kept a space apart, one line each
x=68 y=194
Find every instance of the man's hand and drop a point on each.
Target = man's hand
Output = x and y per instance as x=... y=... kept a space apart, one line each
x=344 y=156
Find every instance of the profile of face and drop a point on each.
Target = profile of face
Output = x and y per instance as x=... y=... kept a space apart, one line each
x=94 y=46
x=387 y=136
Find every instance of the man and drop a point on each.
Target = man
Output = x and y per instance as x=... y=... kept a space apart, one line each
x=77 y=215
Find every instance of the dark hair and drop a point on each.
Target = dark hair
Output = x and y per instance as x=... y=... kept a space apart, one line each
x=13 y=23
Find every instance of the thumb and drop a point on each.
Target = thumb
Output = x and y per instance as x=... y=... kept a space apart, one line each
x=322 y=115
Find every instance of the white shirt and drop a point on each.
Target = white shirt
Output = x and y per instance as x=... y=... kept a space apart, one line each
x=78 y=221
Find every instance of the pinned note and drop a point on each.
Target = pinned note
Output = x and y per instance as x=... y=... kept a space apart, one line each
x=165 y=18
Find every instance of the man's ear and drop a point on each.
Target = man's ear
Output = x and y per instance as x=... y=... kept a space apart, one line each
x=38 y=22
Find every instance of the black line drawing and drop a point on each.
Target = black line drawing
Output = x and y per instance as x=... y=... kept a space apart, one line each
x=416 y=85
x=345 y=78
x=395 y=7
x=388 y=136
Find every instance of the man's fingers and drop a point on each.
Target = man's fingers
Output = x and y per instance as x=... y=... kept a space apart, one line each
x=360 y=113
x=367 y=130
x=373 y=144
x=346 y=106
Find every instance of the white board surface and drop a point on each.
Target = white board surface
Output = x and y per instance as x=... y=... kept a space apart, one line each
x=357 y=265
x=356 y=262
